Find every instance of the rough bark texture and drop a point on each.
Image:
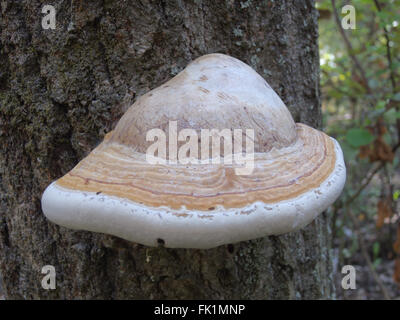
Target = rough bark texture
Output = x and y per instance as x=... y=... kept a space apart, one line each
x=62 y=90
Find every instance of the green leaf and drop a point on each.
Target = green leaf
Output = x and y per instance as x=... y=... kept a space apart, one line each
x=367 y=122
x=391 y=115
x=380 y=105
x=349 y=152
x=375 y=249
x=376 y=263
x=359 y=137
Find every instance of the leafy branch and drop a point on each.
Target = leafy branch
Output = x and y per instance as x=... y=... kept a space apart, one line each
x=350 y=50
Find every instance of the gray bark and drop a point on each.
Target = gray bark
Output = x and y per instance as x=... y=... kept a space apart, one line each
x=62 y=90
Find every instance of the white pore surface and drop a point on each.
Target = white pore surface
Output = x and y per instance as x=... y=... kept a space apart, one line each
x=200 y=229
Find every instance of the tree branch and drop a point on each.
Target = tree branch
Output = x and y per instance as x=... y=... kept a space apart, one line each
x=365 y=254
x=365 y=184
x=391 y=71
x=350 y=49
x=388 y=53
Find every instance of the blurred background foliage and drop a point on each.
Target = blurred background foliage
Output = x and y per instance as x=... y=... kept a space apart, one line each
x=361 y=108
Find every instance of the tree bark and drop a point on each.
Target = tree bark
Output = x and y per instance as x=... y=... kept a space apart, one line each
x=61 y=90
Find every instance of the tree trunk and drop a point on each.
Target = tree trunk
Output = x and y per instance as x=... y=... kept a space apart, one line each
x=61 y=90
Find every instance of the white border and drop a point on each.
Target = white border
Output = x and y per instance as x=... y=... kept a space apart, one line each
x=199 y=229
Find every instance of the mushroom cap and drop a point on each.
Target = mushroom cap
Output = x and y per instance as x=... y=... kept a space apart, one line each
x=297 y=171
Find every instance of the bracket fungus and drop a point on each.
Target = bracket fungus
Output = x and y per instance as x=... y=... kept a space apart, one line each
x=297 y=171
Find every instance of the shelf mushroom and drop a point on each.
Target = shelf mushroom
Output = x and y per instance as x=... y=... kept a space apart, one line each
x=295 y=172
